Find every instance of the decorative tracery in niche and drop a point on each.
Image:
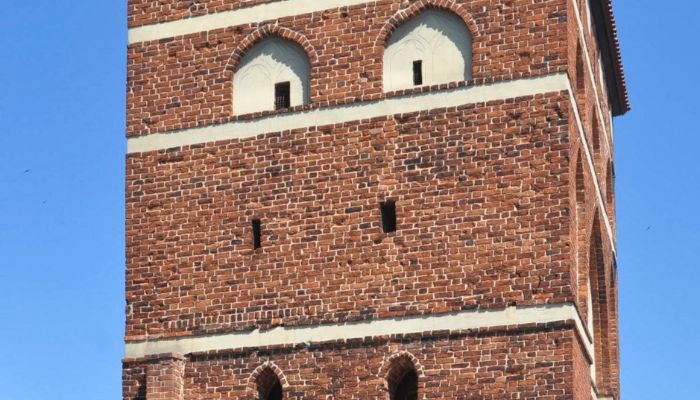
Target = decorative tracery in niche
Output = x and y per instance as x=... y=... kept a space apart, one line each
x=432 y=48
x=273 y=75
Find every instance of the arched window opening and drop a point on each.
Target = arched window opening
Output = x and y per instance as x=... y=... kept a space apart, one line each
x=580 y=76
x=434 y=47
x=269 y=386
x=596 y=139
x=610 y=190
x=403 y=380
x=599 y=308
x=273 y=75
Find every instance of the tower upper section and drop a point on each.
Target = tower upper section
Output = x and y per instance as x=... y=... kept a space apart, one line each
x=305 y=164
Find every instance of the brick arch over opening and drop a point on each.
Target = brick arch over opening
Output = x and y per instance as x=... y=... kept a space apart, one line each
x=416 y=8
x=264 y=32
x=601 y=304
x=260 y=376
x=399 y=364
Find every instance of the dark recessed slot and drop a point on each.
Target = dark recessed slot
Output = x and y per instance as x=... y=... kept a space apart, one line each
x=388 y=210
x=257 y=234
x=407 y=388
x=418 y=72
x=275 y=392
x=282 y=99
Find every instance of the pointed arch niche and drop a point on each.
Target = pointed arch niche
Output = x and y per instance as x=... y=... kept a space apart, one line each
x=402 y=374
x=268 y=386
x=432 y=48
x=274 y=74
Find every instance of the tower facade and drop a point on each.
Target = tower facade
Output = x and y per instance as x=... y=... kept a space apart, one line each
x=351 y=199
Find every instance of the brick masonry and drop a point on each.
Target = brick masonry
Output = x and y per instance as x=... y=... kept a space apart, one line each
x=535 y=363
x=186 y=81
x=497 y=206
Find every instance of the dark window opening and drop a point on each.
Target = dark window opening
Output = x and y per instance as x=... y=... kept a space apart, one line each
x=275 y=392
x=282 y=97
x=269 y=386
x=257 y=234
x=418 y=72
x=407 y=389
x=580 y=77
x=388 y=210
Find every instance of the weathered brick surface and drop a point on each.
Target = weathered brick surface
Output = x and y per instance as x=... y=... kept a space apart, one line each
x=185 y=82
x=146 y=12
x=582 y=375
x=592 y=249
x=482 y=201
x=536 y=364
x=496 y=202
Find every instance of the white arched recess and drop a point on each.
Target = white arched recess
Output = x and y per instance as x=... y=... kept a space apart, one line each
x=439 y=39
x=268 y=63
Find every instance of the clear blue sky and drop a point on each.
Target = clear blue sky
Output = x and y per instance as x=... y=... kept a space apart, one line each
x=62 y=80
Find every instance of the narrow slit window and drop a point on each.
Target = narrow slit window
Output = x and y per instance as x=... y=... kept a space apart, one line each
x=388 y=210
x=418 y=72
x=282 y=99
x=257 y=234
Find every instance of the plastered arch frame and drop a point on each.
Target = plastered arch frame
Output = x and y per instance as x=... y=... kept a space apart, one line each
x=438 y=33
x=252 y=387
x=388 y=365
x=271 y=54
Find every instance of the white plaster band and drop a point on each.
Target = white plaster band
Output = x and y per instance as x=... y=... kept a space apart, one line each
x=241 y=16
x=351 y=112
x=459 y=321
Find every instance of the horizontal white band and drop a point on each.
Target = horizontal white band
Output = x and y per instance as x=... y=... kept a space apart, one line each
x=351 y=112
x=241 y=16
x=459 y=321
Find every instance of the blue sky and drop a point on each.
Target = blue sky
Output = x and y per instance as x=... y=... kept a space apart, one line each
x=62 y=146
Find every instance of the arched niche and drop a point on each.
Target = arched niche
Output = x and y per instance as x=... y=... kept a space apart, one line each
x=402 y=378
x=269 y=386
x=269 y=69
x=435 y=46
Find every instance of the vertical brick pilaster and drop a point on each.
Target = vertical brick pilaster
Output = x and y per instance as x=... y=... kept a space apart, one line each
x=165 y=378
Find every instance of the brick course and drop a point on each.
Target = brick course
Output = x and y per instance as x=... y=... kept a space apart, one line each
x=497 y=206
x=185 y=82
x=536 y=363
x=481 y=191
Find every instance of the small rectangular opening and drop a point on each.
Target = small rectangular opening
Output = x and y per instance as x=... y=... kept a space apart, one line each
x=282 y=99
x=388 y=209
x=257 y=234
x=418 y=72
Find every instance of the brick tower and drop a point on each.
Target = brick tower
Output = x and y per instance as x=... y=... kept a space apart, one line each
x=351 y=199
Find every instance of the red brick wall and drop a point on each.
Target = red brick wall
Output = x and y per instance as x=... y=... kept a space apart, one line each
x=584 y=226
x=481 y=192
x=582 y=374
x=534 y=363
x=146 y=12
x=486 y=199
x=186 y=81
